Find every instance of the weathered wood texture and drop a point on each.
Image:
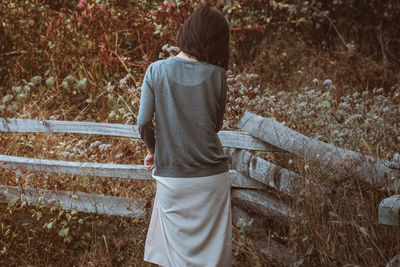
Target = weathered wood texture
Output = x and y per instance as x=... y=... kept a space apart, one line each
x=389 y=211
x=274 y=176
x=238 y=180
x=265 y=205
x=345 y=161
x=78 y=168
x=79 y=127
x=84 y=202
x=138 y=172
x=228 y=138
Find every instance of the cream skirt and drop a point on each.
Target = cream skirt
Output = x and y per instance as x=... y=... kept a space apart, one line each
x=191 y=222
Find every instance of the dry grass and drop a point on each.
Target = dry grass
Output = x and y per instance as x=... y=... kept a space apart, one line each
x=334 y=97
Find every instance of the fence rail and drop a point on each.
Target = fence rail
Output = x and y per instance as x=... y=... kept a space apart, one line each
x=370 y=169
x=228 y=138
x=249 y=174
x=79 y=201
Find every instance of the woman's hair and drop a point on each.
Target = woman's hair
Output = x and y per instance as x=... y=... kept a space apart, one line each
x=205 y=35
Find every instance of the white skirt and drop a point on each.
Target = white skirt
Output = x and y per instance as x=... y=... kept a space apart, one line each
x=191 y=222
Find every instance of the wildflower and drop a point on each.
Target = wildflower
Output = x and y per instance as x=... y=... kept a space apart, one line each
x=110 y=87
x=104 y=147
x=80 y=143
x=95 y=144
x=327 y=82
x=65 y=154
x=120 y=155
x=315 y=80
x=311 y=92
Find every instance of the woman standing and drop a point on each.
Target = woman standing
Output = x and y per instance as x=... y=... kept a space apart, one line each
x=186 y=96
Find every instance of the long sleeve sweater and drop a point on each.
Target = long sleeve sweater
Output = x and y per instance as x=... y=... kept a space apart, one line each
x=186 y=101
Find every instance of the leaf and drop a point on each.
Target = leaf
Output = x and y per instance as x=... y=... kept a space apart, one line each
x=49 y=225
x=81 y=84
x=325 y=104
x=309 y=251
x=37 y=79
x=64 y=85
x=7 y=98
x=27 y=88
x=363 y=231
x=16 y=89
x=70 y=79
x=50 y=82
x=12 y=108
x=63 y=232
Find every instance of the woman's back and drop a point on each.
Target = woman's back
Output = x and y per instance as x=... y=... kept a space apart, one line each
x=189 y=99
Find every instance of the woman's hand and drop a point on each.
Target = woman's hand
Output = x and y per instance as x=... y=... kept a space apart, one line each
x=149 y=159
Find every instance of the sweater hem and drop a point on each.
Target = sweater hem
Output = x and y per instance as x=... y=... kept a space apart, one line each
x=191 y=172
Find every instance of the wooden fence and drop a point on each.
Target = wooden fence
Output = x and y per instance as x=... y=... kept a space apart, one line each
x=248 y=173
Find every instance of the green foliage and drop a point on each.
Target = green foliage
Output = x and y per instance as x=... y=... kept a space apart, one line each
x=367 y=26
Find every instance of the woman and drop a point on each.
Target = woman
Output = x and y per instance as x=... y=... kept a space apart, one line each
x=186 y=96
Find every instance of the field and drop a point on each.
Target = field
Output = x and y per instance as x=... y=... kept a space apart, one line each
x=61 y=61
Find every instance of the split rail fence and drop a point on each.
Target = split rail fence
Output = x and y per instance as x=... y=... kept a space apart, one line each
x=249 y=174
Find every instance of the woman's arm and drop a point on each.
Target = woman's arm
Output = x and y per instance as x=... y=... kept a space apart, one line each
x=145 y=119
x=146 y=111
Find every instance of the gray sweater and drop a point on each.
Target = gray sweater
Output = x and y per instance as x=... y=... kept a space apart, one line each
x=187 y=100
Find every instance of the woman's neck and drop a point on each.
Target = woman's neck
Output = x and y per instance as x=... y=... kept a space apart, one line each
x=186 y=56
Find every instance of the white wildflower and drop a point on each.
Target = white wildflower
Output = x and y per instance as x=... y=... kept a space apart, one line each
x=80 y=143
x=95 y=144
x=327 y=82
x=120 y=155
x=311 y=92
x=104 y=147
x=65 y=154
x=315 y=80
x=29 y=176
x=110 y=87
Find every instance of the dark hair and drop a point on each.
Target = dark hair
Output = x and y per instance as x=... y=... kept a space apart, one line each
x=205 y=35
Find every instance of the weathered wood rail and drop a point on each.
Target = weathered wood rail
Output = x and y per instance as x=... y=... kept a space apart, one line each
x=249 y=174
